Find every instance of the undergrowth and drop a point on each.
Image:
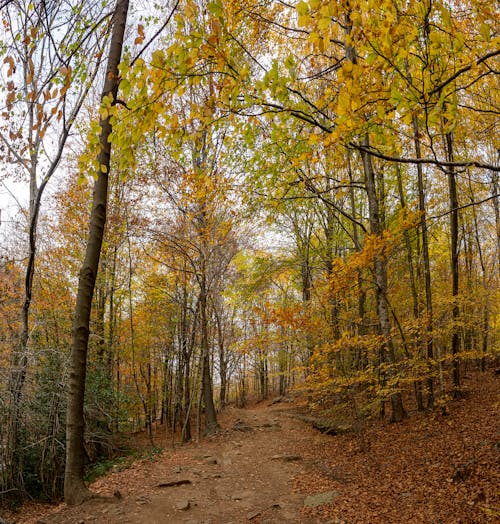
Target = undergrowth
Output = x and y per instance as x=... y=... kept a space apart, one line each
x=119 y=463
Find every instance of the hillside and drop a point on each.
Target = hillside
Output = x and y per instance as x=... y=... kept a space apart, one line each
x=265 y=464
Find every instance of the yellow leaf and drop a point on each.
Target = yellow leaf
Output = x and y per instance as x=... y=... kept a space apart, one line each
x=302 y=8
x=303 y=20
x=485 y=32
x=313 y=139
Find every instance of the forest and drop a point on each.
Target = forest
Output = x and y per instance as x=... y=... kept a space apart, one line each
x=218 y=202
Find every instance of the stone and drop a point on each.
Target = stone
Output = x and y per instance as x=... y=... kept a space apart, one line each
x=183 y=505
x=210 y=460
x=313 y=501
x=253 y=515
x=241 y=495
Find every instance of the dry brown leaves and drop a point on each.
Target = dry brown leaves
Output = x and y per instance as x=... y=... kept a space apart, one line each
x=429 y=468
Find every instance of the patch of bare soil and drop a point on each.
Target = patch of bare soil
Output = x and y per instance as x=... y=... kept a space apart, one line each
x=266 y=466
x=243 y=474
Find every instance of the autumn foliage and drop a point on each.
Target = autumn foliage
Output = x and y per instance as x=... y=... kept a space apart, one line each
x=301 y=196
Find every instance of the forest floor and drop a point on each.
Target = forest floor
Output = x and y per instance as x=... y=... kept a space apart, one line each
x=265 y=464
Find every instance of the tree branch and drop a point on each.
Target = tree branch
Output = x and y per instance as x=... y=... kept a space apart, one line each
x=461 y=71
x=470 y=204
x=433 y=161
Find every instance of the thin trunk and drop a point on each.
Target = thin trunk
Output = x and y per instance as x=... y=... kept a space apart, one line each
x=110 y=341
x=427 y=270
x=496 y=208
x=425 y=251
x=387 y=350
x=74 y=488
x=303 y=243
x=484 y=282
x=208 y=400
x=222 y=359
x=100 y=308
x=455 y=338
x=144 y=399
x=361 y=321
x=413 y=286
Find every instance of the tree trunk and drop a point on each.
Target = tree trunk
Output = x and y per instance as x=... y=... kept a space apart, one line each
x=484 y=282
x=222 y=365
x=380 y=264
x=455 y=337
x=208 y=400
x=427 y=266
x=19 y=361
x=413 y=286
x=496 y=208
x=361 y=357
x=74 y=488
x=387 y=351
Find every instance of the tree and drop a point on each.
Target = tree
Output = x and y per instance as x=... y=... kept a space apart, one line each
x=53 y=56
x=74 y=488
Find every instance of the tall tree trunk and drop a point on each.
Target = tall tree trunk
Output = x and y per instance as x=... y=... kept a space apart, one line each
x=222 y=357
x=484 y=282
x=455 y=337
x=413 y=286
x=496 y=208
x=427 y=267
x=362 y=359
x=425 y=252
x=387 y=351
x=19 y=361
x=208 y=399
x=74 y=488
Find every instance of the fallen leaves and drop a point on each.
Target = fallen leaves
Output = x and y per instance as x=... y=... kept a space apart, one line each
x=404 y=472
x=427 y=469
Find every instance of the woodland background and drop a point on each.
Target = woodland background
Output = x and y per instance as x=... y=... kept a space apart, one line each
x=300 y=195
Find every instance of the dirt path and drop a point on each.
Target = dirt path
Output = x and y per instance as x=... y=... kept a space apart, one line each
x=264 y=464
x=244 y=474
